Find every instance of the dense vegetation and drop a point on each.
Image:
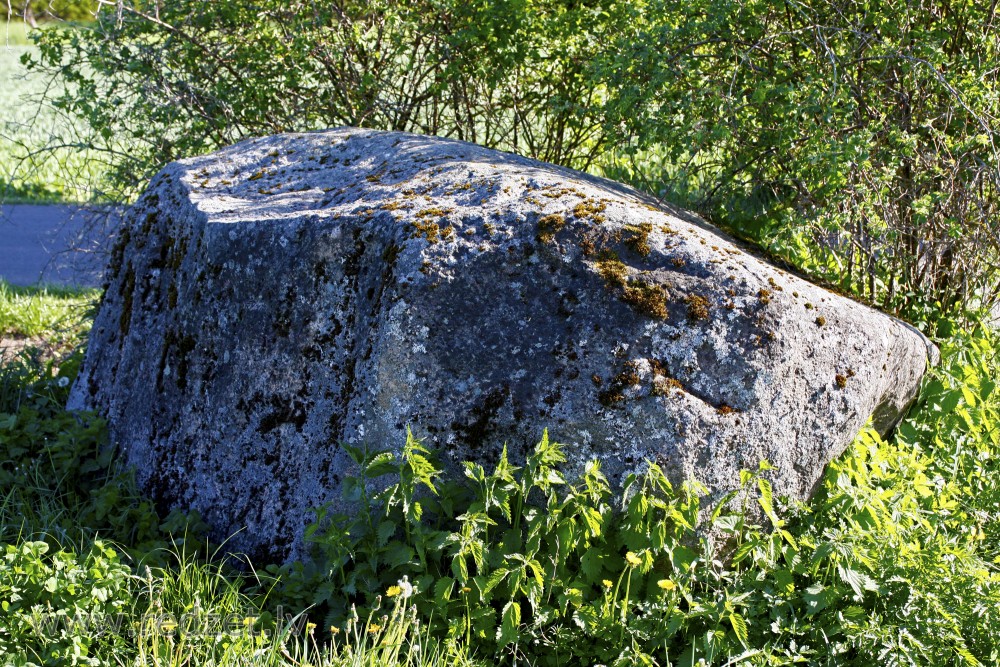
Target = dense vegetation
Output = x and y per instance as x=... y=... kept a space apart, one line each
x=855 y=140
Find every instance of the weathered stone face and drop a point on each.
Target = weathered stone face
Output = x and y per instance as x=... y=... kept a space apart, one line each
x=285 y=295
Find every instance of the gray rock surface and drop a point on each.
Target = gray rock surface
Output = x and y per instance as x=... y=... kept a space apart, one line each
x=285 y=295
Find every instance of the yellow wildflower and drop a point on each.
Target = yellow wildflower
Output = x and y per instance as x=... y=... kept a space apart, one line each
x=632 y=559
x=334 y=630
x=374 y=629
x=666 y=584
x=607 y=583
x=393 y=591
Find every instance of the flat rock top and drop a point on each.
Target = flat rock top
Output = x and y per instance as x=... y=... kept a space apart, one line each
x=361 y=172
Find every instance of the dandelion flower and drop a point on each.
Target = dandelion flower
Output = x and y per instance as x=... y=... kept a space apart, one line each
x=393 y=591
x=607 y=583
x=632 y=559
x=374 y=629
x=405 y=587
x=666 y=584
x=334 y=630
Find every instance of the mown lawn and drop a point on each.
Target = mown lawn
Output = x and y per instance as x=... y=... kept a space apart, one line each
x=29 y=312
x=40 y=160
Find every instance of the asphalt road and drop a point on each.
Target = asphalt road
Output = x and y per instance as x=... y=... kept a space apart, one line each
x=54 y=245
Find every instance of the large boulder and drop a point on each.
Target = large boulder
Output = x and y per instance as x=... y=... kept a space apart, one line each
x=276 y=299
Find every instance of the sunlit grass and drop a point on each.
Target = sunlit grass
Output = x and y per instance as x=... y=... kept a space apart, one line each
x=38 y=311
x=28 y=127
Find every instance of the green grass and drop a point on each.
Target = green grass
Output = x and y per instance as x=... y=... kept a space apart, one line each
x=33 y=311
x=29 y=173
x=15 y=33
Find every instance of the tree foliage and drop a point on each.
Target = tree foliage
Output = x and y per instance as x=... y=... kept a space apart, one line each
x=856 y=139
x=859 y=137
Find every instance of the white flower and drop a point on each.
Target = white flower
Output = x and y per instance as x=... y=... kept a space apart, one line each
x=405 y=587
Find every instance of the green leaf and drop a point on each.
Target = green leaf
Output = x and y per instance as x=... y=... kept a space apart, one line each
x=386 y=529
x=398 y=554
x=443 y=588
x=852 y=578
x=784 y=581
x=815 y=597
x=739 y=627
x=494 y=579
x=586 y=617
x=511 y=619
x=592 y=565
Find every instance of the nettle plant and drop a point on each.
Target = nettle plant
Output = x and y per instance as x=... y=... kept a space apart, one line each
x=520 y=564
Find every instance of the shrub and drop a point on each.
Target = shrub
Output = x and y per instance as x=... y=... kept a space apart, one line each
x=858 y=140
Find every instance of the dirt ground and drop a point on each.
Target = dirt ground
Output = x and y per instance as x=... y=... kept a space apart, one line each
x=39 y=348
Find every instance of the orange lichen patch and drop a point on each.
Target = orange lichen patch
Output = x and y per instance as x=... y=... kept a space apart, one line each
x=429 y=230
x=841 y=380
x=614 y=394
x=726 y=410
x=820 y=321
x=638 y=238
x=434 y=211
x=458 y=188
x=629 y=377
x=772 y=283
x=678 y=262
x=697 y=307
x=590 y=208
x=764 y=295
x=609 y=398
x=613 y=270
x=647 y=299
x=548 y=226
x=662 y=386
x=552 y=192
